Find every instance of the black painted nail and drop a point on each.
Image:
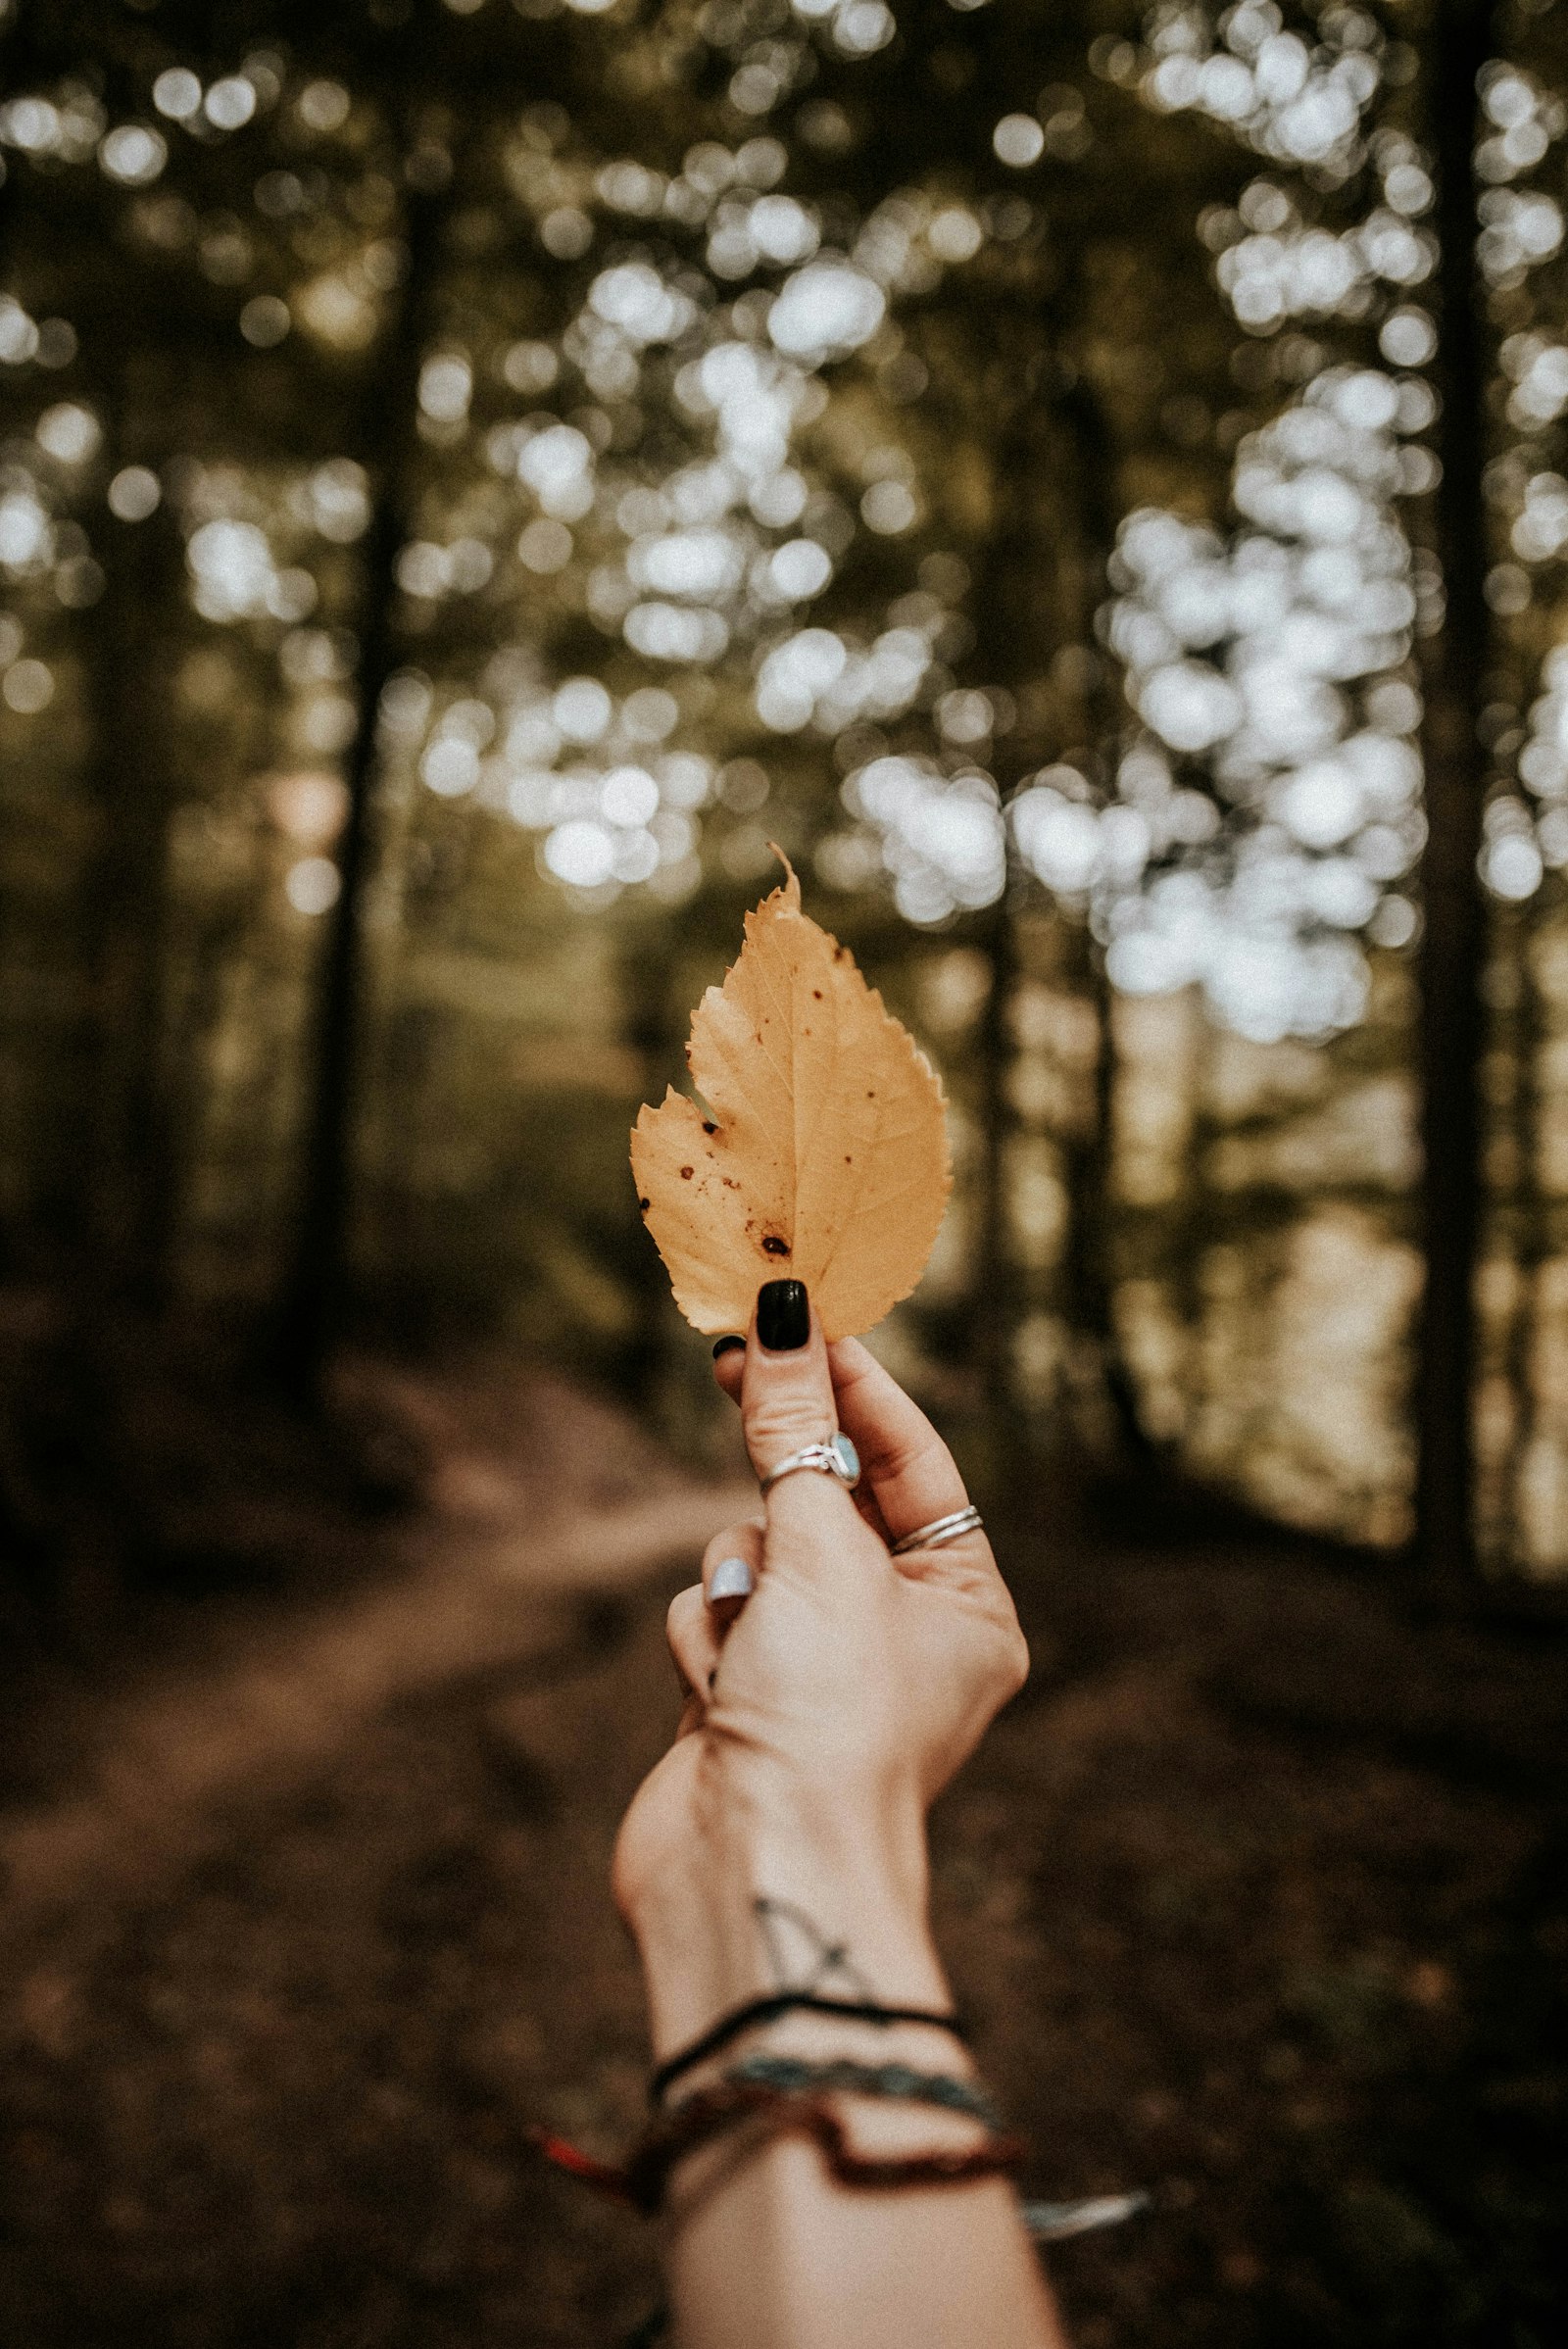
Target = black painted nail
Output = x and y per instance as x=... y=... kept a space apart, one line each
x=727 y=1345
x=783 y=1317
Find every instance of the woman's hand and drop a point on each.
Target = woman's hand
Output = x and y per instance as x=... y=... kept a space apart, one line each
x=826 y=1709
x=780 y=1846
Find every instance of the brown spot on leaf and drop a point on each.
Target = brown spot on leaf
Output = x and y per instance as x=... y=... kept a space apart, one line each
x=686 y=1173
x=644 y=1205
x=816 y=994
x=708 y=1126
x=774 y=1245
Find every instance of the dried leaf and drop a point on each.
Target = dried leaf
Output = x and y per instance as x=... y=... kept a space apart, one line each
x=824 y=1151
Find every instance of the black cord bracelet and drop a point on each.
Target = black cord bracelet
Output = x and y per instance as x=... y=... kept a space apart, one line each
x=785 y=2002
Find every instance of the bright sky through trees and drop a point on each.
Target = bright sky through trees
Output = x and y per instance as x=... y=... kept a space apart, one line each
x=992 y=451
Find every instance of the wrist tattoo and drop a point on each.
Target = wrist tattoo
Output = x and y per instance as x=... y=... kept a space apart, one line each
x=800 y=1954
x=811 y=1974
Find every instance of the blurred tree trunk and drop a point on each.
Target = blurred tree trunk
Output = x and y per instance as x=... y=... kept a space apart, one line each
x=128 y=1174
x=1529 y=1227
x=996 y=1311
x=61 y=1492
x=1452 y=1025
x=1058 y=436
x=1005 y=612
x=314 y=1283
x=1090 y=1285
x=652 y=1030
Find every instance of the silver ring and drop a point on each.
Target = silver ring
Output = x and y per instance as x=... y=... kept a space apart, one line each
x=941 y=1531
x=837 y=1457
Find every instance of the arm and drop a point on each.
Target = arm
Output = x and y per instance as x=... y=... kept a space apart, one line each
x=781 y=1843
x=770 y=2251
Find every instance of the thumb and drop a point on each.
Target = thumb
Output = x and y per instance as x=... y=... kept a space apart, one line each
x=786 y=1389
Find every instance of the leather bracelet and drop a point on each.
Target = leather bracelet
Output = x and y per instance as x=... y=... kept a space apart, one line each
x=641 y=2179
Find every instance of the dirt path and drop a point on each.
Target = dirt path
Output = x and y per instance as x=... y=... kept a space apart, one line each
x=514 y=1565
x=1257 y=1897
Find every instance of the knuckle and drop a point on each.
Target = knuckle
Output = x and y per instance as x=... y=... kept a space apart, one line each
x=737 y=1540
x=630 y=1875
x=623 y=1878
x=895 y=1456
x=778 y=1422
x=684 y=1609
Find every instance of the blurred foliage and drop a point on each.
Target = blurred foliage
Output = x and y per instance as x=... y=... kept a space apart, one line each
x=476 y=471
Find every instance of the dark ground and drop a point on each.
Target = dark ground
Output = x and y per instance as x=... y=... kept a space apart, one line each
x=1257 y=1895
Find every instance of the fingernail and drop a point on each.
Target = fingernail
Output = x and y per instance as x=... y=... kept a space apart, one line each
x=732 y=1579
x=727 y=1345
x=783 y=1317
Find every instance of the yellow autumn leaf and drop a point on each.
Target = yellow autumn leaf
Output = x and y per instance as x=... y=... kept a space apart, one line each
x=824 y=1151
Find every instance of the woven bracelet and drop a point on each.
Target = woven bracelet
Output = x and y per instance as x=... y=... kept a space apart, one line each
x=795 y=2075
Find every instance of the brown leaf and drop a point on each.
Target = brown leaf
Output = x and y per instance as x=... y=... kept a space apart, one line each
x=824 y=1152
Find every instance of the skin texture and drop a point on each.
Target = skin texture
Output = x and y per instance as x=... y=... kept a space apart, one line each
x=823 y=1713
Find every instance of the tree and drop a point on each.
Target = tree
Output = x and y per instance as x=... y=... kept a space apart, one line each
x=314 y=1281
x=1455 y=928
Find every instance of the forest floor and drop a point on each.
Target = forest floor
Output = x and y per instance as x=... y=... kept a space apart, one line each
x=1257 y=1897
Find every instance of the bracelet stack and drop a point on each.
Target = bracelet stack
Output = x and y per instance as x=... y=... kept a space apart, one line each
x=642 y=2178
x=751 y=2016
x=784 y=2095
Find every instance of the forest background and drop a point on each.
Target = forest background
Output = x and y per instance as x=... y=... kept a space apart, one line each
x=474 y=476
x=447 y=537
x=1085 y=480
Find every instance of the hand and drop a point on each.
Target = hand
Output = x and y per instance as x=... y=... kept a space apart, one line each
x=826 y=1710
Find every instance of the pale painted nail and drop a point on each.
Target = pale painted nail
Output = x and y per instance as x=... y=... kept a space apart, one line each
x=732 y=1579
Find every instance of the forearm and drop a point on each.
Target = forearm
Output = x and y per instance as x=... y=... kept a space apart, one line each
x=766 y=2247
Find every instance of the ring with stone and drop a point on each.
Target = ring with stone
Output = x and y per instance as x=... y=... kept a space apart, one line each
x=837 y=1457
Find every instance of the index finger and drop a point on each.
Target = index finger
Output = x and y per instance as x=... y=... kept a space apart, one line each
x=908 y=1466
x=787 y=1406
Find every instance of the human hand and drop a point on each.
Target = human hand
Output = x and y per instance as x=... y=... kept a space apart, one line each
x=825 y=1710
x=779 y=1847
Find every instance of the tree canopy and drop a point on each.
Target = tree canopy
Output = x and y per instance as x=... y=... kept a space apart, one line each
x=1079 y=478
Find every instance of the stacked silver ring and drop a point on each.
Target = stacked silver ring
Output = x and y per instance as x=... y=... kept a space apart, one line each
x=836 y=1457
x=941 y=1531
